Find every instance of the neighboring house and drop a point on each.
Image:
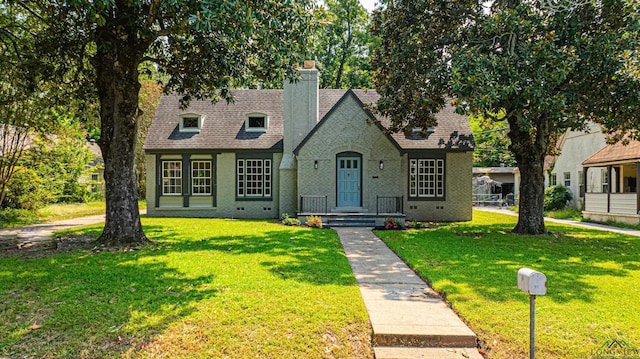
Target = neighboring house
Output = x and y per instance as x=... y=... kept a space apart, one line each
x=565 y=168
x=505 y=178
x=612 y=180
x=94 y=177
x=307 y=151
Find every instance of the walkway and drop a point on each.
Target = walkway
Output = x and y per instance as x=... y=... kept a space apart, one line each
x=409 y=319
x=38 y=237
x=591 y=225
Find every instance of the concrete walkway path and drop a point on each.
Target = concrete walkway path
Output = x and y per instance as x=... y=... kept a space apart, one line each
x=40 y=236
x=409 y=319
x=591 y=225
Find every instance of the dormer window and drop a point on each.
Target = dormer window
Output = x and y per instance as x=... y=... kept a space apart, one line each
x=420 y=133
x=191 y=122
x=256 y=122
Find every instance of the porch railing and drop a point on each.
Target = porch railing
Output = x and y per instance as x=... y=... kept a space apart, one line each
x=389 y=204
x=313 y=204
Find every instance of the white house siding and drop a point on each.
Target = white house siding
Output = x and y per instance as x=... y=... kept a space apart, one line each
x=227 y=205
x=624 y=203
x=456 y=206
x=577 y=147
x=347 y=130
x=596 y=202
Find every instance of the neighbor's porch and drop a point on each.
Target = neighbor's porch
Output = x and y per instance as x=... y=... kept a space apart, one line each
x=612 y=192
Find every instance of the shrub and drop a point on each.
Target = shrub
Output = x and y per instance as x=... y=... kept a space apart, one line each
x=314 y=221
x=26 y=190
x=12 y=216
x=390 y=223
x=556 y=198
x=289 y=221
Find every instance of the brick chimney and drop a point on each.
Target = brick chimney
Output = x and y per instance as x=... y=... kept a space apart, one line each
x=300 y=106
x=300 y=116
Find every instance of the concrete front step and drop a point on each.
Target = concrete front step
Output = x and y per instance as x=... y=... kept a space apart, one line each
x=351 y=222
x=426 y=353
x=410 y=315
x=342 y=220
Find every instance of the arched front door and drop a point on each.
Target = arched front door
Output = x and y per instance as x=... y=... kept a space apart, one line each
x=349 y=186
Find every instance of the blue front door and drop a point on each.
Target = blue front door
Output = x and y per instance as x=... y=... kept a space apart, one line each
x=349 y=181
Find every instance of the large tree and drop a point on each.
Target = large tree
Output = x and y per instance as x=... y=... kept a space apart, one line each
x=541 y=66
x=342 y=44
x=205 y=47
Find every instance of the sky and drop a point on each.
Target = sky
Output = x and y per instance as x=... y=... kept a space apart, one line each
x=369 y=4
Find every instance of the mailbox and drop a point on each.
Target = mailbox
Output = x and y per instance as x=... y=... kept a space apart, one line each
x=532 y=282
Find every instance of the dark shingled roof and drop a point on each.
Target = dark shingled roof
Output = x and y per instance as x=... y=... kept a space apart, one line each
x=223 y=126
x=615 y=153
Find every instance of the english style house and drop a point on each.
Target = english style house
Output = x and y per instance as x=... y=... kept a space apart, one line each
x=304 y=150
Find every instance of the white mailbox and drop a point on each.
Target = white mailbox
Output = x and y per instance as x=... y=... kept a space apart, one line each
x=532 y=282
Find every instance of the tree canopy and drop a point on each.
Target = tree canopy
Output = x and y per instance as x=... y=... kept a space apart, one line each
x=541 y=68
x=94 y=50
x=342 y=44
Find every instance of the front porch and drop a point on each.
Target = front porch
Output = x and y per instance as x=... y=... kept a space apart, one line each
x=386 y=207
x=612 y=207
x=612 y=184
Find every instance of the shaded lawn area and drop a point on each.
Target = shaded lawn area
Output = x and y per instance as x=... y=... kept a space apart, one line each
x=211 y=288
x=593 y=291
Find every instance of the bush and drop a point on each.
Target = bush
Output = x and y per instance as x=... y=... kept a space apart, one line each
x=314 y=221
x=289 y=221
x=12 y=217
x=26 y=190
x=390 y=223
x=556 y=198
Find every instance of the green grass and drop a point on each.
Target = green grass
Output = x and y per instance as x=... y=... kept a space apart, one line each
x=210 y=289
x=592 y=280
x=574 y=214
x=61 y=211
x=53 y=212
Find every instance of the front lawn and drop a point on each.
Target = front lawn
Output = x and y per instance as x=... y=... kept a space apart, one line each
x=592 y=279
x=209 y=289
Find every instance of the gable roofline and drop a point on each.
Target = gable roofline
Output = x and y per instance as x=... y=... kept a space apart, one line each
x=615 y=153
x=370 y=115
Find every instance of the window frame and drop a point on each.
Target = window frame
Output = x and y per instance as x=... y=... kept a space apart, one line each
x=604 y=180
x=163 y=178
x=195 y=178
x=566 y=179
x=431 y=183
x=581 y=184
x=553 y=179
x=265 y=173
x=191 y=116
x=247 y=122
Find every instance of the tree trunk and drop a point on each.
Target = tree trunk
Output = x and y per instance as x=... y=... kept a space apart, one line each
x=530 y=149
x=116 y=63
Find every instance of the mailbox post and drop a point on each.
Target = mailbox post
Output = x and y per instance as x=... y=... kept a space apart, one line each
x=534 y=283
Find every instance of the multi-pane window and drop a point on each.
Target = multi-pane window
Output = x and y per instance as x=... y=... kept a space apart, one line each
x=605 y=180
x=581 y=183
x=426 y=178
x=171 y=177
x=553 y=180
x=201 y=177
x=567 y=179
x=254 y=178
